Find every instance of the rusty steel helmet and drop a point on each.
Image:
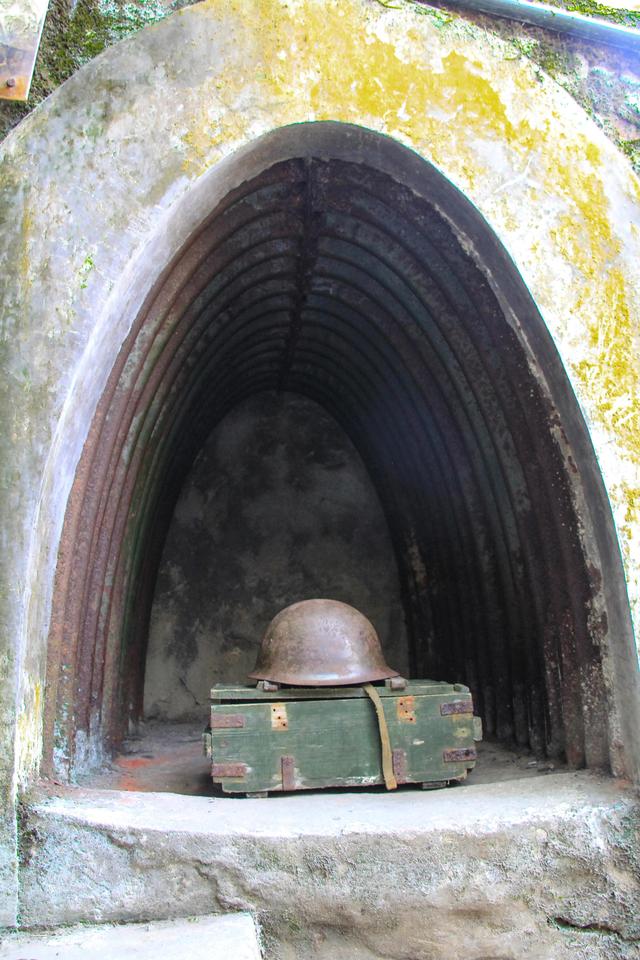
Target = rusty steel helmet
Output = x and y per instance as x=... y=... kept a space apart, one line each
x=321 y=643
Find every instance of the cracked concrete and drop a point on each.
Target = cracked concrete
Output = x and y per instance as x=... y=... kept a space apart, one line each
x=537 y=869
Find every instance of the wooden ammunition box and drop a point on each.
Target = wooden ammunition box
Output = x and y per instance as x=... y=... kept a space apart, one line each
x=303 y=738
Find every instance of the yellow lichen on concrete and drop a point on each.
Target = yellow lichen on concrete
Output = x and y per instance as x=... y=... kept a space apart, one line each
x=24 y=263
x=608 y=371
x=630 y=522
x=313 y=60
x=604 y=356
x=29 y=730
x=609 y=376
x=498 y=130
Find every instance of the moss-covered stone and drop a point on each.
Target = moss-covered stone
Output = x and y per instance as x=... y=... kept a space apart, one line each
x=632 y=150
x=76 y=33
x=591 y=8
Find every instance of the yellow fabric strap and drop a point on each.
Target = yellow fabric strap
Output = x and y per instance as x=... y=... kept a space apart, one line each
x=390 y=781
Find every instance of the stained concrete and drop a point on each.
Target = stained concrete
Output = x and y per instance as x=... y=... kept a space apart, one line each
x=278 y=508
x=535 y=869
x=161 y=757
x=603 y=79
x=199 y=938
x=87 y=234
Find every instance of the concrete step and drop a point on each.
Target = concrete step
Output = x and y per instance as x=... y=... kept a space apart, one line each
x=528 y=869
x=198 y=938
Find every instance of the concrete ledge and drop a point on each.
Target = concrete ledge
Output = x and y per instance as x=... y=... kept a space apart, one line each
x=478 y=808
x=199 y=938
x=544 y=868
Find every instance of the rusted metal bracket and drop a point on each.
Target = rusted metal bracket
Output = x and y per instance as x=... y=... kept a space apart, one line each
x=456 y=707
x=399 y=758
x=227 y=721
x=21 y=23
x=236 y=771
x=288 y=769
x=457 y=754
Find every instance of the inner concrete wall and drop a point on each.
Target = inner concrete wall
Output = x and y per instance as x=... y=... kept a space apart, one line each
x=278 y=508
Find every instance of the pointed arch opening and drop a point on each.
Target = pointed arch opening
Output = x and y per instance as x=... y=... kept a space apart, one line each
x=344 y=268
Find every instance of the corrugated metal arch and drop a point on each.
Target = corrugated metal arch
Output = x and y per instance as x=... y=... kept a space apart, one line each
x=368 y=283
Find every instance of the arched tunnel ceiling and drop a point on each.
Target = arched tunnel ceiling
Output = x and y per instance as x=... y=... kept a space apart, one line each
x=333 y=280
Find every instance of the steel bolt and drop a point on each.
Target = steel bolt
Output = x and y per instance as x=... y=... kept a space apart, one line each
x=11 y=82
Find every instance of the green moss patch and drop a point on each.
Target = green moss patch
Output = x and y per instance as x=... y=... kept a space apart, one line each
x=591 y=8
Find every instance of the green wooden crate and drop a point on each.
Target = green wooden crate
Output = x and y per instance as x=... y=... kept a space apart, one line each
x=302 y=738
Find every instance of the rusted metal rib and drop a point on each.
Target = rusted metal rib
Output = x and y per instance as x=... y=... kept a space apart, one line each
x=386 y=321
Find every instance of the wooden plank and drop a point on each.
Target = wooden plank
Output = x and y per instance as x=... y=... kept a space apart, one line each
x=224 y=692
x=336 y=742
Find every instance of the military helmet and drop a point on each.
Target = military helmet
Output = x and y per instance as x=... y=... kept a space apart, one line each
x=321 y=643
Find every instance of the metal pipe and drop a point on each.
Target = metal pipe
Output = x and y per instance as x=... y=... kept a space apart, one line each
x=553 y=18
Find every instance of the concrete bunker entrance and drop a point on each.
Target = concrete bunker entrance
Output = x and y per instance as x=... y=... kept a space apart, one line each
x=350 y=275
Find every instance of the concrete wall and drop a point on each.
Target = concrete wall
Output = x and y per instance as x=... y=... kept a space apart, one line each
x=101 y=186
x=603 y=79
x=278 y=508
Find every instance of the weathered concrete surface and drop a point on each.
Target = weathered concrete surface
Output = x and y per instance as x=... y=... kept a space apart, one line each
x=534 y=869
x=75 y=33
x=87 y=233
x=199 y=938
x=278 y=508
x=8 y=868
x=601 y=78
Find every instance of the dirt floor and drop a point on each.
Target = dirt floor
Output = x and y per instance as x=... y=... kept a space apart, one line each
x=168 y=758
